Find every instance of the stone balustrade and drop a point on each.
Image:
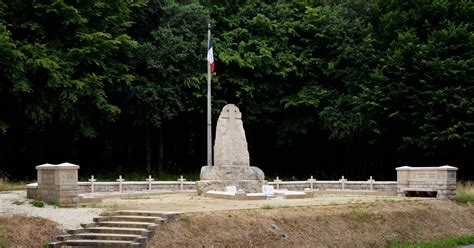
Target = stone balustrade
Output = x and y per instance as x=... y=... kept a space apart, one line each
x=130 y=186
x=383 y=186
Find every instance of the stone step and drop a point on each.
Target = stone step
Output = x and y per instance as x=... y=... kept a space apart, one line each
x=101 y=243
x=164 y=214
x=127 y=224
x=123 y=228
x=119 y=230
x=103 y=236
x=130 y=218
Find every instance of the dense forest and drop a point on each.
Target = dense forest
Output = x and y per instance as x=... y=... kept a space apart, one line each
x=326 y=88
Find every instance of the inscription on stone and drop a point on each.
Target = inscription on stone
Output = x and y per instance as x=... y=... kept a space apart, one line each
x=426 y=175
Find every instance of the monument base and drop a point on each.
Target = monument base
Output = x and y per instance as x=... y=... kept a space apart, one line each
x=249 y=186
x=231 y=172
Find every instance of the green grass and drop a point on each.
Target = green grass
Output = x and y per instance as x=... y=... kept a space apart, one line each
x=465 y=192
x=360 y=215
x=185 y=219
x=37 y=203
x=9 y=185
x=444 y=243
x=267 y=207
x=18 y=202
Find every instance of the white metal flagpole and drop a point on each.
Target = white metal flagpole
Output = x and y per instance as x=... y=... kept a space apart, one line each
x=209 y=120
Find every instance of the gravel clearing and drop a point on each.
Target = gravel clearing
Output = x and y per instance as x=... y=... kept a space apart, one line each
x=15 y=202
x=71 y=218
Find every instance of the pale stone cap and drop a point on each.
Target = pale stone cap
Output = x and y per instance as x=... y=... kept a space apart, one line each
x=63 y=166
x=444 y=167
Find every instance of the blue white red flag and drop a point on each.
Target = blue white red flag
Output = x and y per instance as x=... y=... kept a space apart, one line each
x=210 y=54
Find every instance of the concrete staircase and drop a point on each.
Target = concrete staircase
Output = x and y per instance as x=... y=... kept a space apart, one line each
x=123 y=228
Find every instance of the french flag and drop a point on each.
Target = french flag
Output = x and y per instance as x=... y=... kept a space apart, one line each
x=210 y=54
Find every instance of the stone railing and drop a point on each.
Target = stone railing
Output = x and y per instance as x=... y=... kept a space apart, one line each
x=92 y=186
x=341 y=184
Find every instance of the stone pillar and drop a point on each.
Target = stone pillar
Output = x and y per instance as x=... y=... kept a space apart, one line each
x=441 y=180
x=57 y=184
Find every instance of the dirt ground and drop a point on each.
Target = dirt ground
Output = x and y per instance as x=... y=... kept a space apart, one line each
x=191 y=202
x=26 y=231
x=381 y=223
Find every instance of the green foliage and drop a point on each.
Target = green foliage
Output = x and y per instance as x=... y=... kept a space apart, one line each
x=386 y=73
x=267 y=207
x=169 y=81
x=465 y=192
x=62 y=61
x=450 y=242
x=37 y=203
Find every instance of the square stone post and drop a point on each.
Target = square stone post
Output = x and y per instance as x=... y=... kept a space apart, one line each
x=57 y=184
x=441 y=180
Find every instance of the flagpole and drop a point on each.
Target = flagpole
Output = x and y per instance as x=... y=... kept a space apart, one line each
x=209 y=120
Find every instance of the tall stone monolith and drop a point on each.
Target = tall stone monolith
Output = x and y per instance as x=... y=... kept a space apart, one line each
x=231 y=157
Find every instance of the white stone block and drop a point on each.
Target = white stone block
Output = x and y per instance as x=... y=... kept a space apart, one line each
x=231 y=189
x=268 y=190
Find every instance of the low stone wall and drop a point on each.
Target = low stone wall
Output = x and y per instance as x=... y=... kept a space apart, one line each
x=86 y=187
x=383 y=186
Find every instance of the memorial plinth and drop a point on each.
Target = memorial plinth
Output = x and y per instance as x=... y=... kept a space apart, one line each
x=231 y=157
x=440 y=180
x=57 y=184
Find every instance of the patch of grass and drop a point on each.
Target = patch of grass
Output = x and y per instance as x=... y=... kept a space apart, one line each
x=53 y=203
x=185 y=219
x=465 y=192
x=18 y=202
x=359 y=214
x=135 y=198
x=267 y=207
x=37 y=203
x=444 y=243
x=8 y=185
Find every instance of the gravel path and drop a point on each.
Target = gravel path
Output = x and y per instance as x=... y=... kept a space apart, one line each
x=15 y=202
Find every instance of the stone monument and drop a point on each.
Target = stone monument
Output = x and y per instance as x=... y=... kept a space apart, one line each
x=440 y=180
x=231 y=157
x=56 y=184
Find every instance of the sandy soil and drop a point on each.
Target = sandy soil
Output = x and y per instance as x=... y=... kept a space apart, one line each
x=191 y=202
